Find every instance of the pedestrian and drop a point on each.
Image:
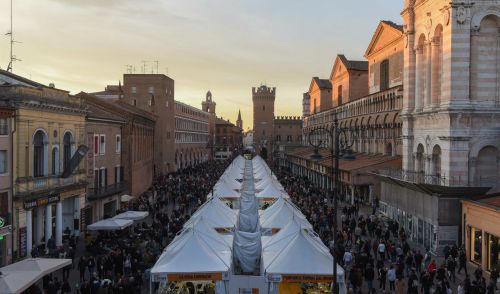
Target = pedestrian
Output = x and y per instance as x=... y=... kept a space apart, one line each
x=369 y=275
x=382 y=278
x=82 y=265
x=391 y=276
x=66 y=288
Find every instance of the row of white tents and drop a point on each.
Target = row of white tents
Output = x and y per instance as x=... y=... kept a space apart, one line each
x=289 y=250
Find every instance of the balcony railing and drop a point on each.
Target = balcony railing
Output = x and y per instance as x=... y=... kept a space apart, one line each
x=31 y=184
x=100 y=192
x=439 y=180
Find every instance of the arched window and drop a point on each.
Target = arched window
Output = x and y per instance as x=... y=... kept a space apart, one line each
x=436 y=163
x=67 y=143
x=40 y=155
x=487 y=167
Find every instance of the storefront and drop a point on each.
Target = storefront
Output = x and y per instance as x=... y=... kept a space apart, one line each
x=48 y=216
x=482 y=231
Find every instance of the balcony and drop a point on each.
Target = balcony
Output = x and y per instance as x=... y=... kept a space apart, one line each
x=30 y=185
x=438 y=184
x=101 y=192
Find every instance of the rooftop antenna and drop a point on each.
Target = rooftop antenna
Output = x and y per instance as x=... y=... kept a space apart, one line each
x=12 y=41
x=144 y=66
x=156 y=62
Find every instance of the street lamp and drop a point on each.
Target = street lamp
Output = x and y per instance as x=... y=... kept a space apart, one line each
x=341 y=141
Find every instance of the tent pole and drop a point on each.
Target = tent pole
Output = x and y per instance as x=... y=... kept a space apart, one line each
x=150 y=284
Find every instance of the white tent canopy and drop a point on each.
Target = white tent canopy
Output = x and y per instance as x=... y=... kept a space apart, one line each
x=19 y=276
x=270 y=191
x=196 y=249
x=223 y=190
x=132 y=215
x=110 y=224
x=280 y=213
x=217 y=213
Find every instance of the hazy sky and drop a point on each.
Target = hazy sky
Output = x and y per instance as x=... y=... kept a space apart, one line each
x=226 y=46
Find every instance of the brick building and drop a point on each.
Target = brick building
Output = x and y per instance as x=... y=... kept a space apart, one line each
x=228 y=137
x=263 y=116
x=105 y=170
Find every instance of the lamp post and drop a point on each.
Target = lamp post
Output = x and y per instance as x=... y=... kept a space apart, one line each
x=341 y=141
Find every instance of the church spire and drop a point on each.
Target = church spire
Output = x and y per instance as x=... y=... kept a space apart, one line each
x=239 y=122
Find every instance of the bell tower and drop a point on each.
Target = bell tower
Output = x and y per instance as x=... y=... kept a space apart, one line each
x=208 y=105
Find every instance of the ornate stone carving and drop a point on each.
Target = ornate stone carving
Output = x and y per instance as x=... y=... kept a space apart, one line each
x=461 y=14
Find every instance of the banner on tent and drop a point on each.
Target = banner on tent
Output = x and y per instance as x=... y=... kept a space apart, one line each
x=274 y=278
x=195 y=277
x=306 y=278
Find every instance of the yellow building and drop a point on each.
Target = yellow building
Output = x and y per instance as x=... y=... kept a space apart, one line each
x=48 y=175
x=481 y=223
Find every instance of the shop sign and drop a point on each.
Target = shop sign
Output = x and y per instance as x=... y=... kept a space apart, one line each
x=195 y=277
x=29 y=204
x=307 y=278
x=274 y=278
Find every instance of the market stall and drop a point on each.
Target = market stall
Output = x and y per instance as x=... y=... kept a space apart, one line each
x=19 y=276
x=110 y=224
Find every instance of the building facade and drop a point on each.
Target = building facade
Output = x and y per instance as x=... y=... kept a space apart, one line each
x=368 y=112
x=263 y=99
x=6 y=154
x=48 y=175
x=228 y=138
x=192 y=133
x=481 y=232
x=105 y=172
x=450 y=116
x=287 y=135
x=154 y=93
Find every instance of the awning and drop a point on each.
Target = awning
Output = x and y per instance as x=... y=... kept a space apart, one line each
x=110 y=224
x=19 y=276
x=132 y=215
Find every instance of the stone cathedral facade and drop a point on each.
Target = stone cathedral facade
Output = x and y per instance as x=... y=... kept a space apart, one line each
x=451 y=103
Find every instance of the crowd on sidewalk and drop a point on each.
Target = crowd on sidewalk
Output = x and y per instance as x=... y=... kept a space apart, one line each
x=375 y=252
x=118 y=261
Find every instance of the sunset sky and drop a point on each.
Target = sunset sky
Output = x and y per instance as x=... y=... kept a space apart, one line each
x=226 y=46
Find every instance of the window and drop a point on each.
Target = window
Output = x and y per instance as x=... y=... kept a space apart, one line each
x=3 y=161
x=493 y=252
x=384 y=75
x=476 y=243
x=103 y=177
x=135 y=102
x=151 y=90
x=102 y=144
x=263 y=108
x=55 y=161
x=118 y=146
x=134 y=90
x=166 y=103
x=339 y=94
x=96 y=144
x=4 y=127
x=39 y=154
x=67 y=142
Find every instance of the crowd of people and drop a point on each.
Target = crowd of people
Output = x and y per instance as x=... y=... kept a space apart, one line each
x=118 y=261
x=375 y=252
